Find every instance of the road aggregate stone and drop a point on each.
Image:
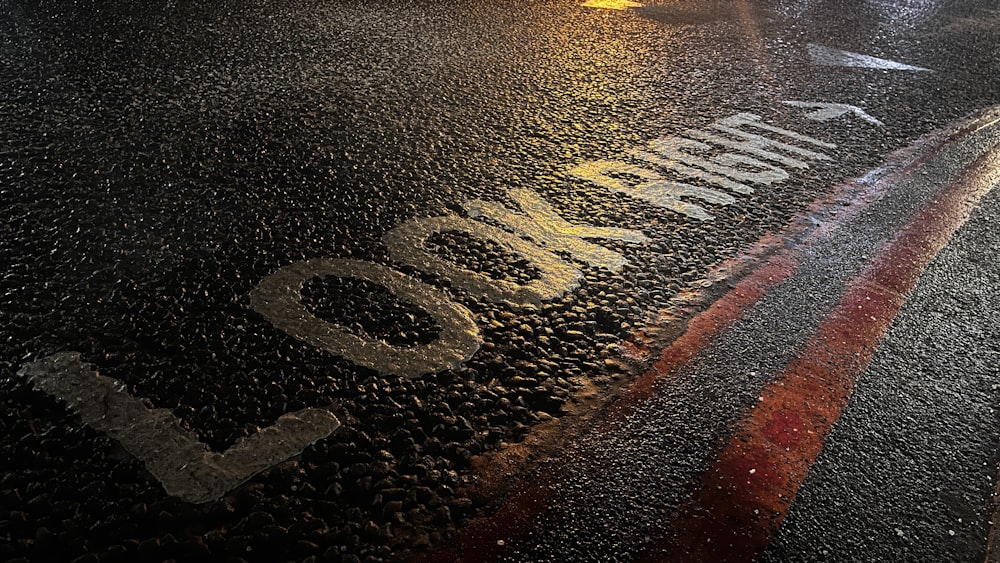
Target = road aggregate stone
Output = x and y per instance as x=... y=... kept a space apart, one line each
x=158 y=160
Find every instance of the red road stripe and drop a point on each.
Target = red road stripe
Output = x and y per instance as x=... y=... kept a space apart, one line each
x=837 y=207
x=482 y=538
x=703 y=328
x=748 y=490
x=479 y=540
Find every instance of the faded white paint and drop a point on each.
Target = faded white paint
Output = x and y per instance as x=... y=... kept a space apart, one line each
x=649 y=186
x=185 y=466
x=757 y=145
x=407 y=244
x=279 y=298
x=543 y=225
x=733 y=124
x=828 y=56
x=682 y=168
x=728 y=164
x=825 y=111
x=695 y=159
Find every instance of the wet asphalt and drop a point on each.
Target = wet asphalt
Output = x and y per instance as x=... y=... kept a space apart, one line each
x=913 y=459
x=908 y=472
x=159 y=160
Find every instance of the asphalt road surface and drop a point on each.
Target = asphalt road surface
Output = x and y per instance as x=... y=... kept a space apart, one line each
x=525 y=281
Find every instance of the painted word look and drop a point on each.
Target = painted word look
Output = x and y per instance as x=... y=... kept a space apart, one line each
x=651 y=174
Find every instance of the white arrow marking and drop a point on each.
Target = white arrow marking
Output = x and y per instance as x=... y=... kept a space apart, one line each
x=183 y=465
x=828 y=56
x=826 y=111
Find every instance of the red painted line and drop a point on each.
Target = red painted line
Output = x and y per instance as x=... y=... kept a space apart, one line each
x=754 y=479
x=837 y=207
x=819 y=219
x=484 y=538
x=702 y=329
x=481 y=539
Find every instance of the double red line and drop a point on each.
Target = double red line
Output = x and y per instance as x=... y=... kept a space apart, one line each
x=755 y=475
x=753 y=481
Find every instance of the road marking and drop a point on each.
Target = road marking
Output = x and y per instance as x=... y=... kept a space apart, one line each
x=407 y=244
x=736 y=166
x=278 y=297
x=651 y=187
x=542 y=224
x=611 y=4
x=683 y=157
x=828 y=56
x=183 y=465
x=525 y=513
x=681 y=165
x=520 y=514
x=753 y=481
x=826 y=111
x=757 y=144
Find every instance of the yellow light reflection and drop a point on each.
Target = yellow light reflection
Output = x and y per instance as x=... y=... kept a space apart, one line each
x=611 y=4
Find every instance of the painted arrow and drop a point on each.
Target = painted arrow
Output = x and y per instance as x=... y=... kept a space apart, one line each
x=825 y=111
x=185 y=466
x=828 y=56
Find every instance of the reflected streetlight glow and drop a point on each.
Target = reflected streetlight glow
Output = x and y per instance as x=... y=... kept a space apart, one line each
x=611 y=4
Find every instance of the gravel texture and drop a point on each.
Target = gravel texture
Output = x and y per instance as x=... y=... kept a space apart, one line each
x=157 y=160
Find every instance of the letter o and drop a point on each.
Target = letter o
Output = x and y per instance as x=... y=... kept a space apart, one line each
x=278 y=297
x=406 y=244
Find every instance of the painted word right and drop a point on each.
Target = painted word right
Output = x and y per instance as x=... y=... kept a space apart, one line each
x=758 y=162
